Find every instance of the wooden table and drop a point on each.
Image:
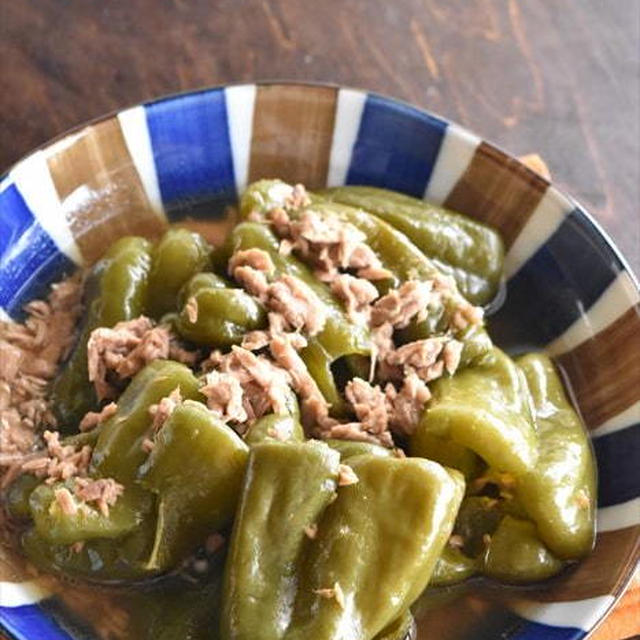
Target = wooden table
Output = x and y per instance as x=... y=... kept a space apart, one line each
x=559 y=77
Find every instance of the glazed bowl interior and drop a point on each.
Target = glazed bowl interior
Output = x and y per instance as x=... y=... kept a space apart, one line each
x=182 y=159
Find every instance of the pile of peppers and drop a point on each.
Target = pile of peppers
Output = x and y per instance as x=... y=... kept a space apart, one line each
x=498 y=478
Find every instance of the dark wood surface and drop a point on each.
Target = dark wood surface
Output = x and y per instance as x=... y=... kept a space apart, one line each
x=558 y=77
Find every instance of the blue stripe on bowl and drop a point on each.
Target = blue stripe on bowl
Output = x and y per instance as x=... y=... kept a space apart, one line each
x=396 y=146
x=30 y=622
x=618 y=458
x=192 y=152
x=29 y=258
x=537 y=631
x=556 y=285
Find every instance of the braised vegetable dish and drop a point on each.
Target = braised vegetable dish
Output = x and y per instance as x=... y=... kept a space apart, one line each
x=295 y=433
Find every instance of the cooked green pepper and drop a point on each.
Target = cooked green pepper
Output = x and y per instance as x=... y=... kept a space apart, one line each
x=118 y=452
x=452 y=567
x=275 y=427
x=425 y=444
x=57 y=527
x=400 y=629
x=177 y=256
x=469 y=251
x=351 y=448
x=287 y=486
x=559 y=493
x=223 y=315
x=116 y=291
x=375 y=548
x=516 y=554
x=486 y=408
x=196 y=467
x=478 y=517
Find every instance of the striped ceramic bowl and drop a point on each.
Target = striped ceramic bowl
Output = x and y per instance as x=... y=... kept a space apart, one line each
x=569 y=291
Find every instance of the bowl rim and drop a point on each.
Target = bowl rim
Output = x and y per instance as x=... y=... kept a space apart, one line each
x=585 y=214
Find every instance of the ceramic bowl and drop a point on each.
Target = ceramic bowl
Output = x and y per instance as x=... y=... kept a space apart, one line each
x=569 y=291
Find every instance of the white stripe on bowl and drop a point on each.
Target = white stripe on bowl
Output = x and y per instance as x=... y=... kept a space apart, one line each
x=349 y=107
x=35 y=184
x=617 y=298
x=581 y=614
x=4 y=316
x=240 y=103
x=552 y=209
x=619 y=516
x=133 y=124
x=19 y=594
x=454 y=156
x=626 y=418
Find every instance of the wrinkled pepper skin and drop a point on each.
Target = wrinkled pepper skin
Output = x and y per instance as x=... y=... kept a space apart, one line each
x=340 y=337
x=379 y=540
x=116 y=291
x=177 y=256
x=118 y=452
x=56 y=527
x=452 y=567
x=196 y=467
x=275 y=427
x=486 y=408
x=287 y=486
x=224 y=314
x=559 y=493
x=471 y=252
x=516 y=554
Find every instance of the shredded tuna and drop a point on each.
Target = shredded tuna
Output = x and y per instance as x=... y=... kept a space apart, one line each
x=298 y=197
x=254 y=281
x=254 y=258
x=161 y=411
x=65 y=501
x=356 y=293
x=346 y=476
x=255 y=340
x=123 y=351
x=29 y=354
x=451 y=355
x=334 y=592
x=224 y=396
x=406 y=406
x=315 y=409
x=417 y=355
x=298 y=304
x=311 y=531
x=92 y=419
x=401 y=305
x=369 y=403
x=103 y=491
x=179 y=353
x=456 y=541
x=191 y=309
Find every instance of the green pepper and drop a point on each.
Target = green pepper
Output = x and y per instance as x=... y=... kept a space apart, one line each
x=452 y=567
x=275 y=427
x=177 y=256
x=400 y=629
x=486 y=408
x=223 y=314
x=559 y=493
x=351 y=448
x=378 y=543
x=116 y=291
x=516 y=554
x=470 y=251
x=478 y=517
x=57 y=527
x=196 y=467
x=101 y=560
x=287 y=486
x=16 y=496
x=118 y=452
x=425 y=444
x=340 y=337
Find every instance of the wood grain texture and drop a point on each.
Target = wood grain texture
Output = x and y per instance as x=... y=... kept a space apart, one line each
x=559 y=77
